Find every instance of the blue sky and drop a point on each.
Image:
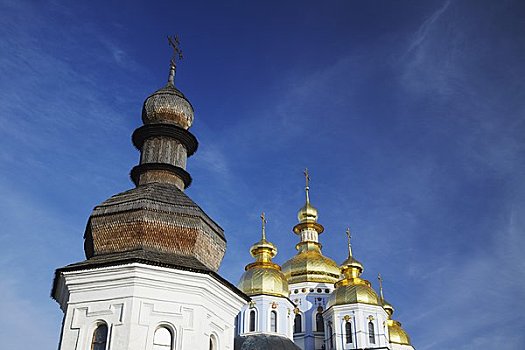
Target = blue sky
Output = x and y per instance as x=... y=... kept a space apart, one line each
x=409 y=114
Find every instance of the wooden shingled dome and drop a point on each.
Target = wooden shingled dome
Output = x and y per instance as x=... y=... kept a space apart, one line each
x=157 y=218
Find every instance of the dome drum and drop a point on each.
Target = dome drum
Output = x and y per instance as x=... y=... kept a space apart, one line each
x=185 y=137
x=297 y=229
x=166 y=150
x=160 y=172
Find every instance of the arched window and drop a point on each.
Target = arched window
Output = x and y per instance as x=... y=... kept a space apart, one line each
x=162 y=339
x=319 y=322
x=251 y=326
x=330 y=336
x=298 y=324
x=273 y=321
x=213 y=342
x=371 y=333
x=348 y=332
x=100 y=337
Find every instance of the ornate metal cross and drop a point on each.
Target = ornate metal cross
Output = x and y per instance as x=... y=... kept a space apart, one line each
x=307 y=188
x=380 y=279
x=307 y=177
x=349 y=235
x=174 y=42
x=263 y=219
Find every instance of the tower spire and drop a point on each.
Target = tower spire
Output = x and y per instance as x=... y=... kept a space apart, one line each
x=174 y=42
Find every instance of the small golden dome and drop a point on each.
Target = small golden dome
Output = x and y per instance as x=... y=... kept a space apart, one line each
x=307 y=213
x=388 y=308
x=396 y=333
x=168 y=105
x=263 y=276
x=351 y=262
x=353 y=293
x=310 y=265
x=262 y=279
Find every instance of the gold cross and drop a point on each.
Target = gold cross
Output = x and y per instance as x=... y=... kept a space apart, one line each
x=263 y=219
x=380 y=279
x=307 y=177
x=349 y=235
x=307 y=188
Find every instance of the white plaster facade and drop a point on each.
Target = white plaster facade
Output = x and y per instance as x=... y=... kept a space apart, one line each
x=359 y=315
x=135 y=299
x=263 y=306
x=310 y=298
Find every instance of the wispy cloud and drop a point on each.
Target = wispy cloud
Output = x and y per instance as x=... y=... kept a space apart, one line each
x=423 y=30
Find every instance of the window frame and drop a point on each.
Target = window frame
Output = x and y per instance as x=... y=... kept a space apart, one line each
x=273 y=319
x=252 y=311
x=349 y=339
x=214 y=341
x=300 y=316
x=170 y=330
x=99 y=324
x=371 y=332
x=319 y=321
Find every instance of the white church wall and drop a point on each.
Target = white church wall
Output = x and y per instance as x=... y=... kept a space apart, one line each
x=135 y=299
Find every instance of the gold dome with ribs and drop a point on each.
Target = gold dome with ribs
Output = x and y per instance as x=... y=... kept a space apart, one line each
x=310 y=265
x=352 y=288
x=263 y=276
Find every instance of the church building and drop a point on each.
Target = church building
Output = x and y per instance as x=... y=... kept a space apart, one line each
x=150 y=280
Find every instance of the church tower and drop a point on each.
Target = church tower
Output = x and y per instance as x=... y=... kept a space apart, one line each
x=267 y=321
x=311 y=277
x=149 y=281
x=398 y=338
x=354 y=316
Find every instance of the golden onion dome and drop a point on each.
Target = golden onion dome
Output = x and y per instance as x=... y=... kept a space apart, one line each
x=352 y=289
x=268 y=280
x=351 y=262
x=307 y=213
x=310 y=265
x=263 y=276
x=352 y=294
x=396 y=333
